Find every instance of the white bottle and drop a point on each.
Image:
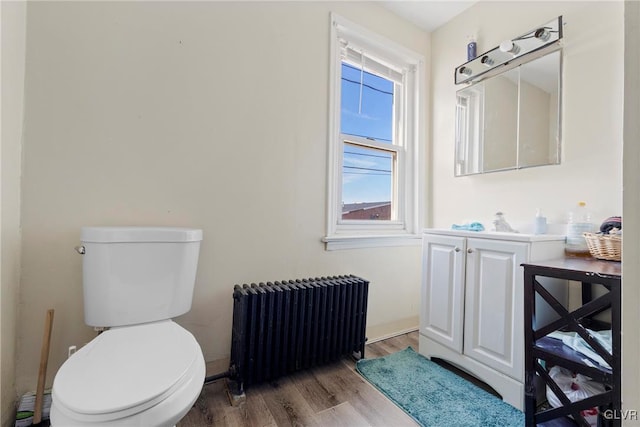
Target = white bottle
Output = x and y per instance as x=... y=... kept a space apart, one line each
x=540 y=223
x=579 y=223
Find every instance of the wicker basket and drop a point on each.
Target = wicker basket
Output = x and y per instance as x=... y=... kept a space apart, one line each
x=604 y=246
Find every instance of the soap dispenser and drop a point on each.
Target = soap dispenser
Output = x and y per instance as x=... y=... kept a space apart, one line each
x=540 y=223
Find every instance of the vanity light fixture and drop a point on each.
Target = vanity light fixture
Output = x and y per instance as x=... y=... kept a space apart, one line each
x=511 y=53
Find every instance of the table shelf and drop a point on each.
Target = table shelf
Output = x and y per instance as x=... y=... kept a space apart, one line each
x=542 y=351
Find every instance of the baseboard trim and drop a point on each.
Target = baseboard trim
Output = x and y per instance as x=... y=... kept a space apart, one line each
x=393 y=334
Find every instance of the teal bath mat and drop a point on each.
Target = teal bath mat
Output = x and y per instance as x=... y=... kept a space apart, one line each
x=434 y=396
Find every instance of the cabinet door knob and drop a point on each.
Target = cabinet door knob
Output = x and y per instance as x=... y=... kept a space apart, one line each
x=457 y=249
x=469 y=251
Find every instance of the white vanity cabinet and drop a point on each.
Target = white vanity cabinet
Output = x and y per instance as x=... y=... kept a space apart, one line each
x=472 y=300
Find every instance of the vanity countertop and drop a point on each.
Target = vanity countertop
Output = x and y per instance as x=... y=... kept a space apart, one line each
x=516 y=237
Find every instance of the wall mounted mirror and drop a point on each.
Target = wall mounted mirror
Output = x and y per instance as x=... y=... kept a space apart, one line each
x=510 y=120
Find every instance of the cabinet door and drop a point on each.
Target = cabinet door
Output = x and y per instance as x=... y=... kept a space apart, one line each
x=441 y=311
x=493 y=332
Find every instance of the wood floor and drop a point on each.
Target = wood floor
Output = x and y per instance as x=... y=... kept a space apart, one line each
x=333 y=395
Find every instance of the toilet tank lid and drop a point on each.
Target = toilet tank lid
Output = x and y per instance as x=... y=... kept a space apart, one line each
x=139 y=234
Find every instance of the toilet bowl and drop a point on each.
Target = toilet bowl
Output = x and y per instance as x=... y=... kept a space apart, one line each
x=143 y=375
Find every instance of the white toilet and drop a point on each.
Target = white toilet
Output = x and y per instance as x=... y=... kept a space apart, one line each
x=145 y=370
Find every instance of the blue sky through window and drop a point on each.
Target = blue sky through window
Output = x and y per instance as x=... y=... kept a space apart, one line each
x=366 y=111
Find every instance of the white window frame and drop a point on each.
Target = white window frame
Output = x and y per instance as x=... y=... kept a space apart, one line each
x=405 y=228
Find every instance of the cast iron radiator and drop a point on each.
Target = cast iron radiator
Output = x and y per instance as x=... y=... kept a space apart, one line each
x=283 y=327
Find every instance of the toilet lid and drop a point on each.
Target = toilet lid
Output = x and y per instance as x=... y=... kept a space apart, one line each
x=126 y=367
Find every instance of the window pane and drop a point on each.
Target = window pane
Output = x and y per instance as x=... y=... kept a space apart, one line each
x=366 y=104
x=367 y=183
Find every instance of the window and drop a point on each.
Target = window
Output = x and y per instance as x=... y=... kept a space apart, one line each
x=367 y=112
x=374 y=136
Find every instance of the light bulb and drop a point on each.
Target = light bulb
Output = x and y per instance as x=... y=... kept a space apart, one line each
x=509 y=47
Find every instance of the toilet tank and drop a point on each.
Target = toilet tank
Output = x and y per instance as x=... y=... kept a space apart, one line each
x=133 y=275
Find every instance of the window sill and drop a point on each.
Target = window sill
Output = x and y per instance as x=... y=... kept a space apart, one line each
x=333 y=243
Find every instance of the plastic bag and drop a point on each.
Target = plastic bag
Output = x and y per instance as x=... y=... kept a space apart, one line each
x=576 y=387
x=576 y=342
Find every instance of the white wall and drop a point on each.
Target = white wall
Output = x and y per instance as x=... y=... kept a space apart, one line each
x=631 y=243
x=12 y=89
x=591 y=164
x=203 y=114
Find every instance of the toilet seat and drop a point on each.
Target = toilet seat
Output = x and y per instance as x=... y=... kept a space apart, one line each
x=127 y=370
